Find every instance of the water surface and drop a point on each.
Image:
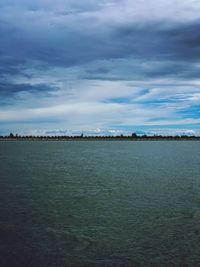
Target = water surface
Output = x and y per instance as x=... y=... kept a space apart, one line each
x=100 y=203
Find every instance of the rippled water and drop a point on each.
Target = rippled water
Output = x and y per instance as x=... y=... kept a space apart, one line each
x=100 y=204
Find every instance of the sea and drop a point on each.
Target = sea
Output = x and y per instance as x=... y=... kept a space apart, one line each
x=100 y=203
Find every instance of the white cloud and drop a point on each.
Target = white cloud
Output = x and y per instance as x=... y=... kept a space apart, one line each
x=175 y=131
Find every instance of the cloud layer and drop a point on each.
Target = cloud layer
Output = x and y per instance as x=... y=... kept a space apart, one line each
x=109 y=65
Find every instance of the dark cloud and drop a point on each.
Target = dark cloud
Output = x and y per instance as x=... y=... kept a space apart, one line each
x=131 y=69
x=64 y=45
x=184 y=41
x=8 y=89
x=160 y=41
x=175 y=48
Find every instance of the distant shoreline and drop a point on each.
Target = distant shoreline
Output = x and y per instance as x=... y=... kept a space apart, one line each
x=102 y=138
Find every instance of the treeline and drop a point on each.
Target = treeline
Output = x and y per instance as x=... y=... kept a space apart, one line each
x=133 y=136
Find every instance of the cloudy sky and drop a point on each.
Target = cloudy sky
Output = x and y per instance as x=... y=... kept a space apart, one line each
x=99 y=67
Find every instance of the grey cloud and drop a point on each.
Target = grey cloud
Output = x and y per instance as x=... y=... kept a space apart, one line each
x=8 y=89
x=72 y=43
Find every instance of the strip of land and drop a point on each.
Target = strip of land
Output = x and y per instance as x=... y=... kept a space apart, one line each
x=132 y=137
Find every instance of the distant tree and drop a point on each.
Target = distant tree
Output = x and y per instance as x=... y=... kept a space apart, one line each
x=11 y=135
x=134 y=135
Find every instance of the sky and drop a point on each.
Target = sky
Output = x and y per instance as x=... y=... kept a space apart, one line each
x=100 y=67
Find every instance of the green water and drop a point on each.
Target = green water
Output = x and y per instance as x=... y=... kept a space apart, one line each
x=99 y=204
